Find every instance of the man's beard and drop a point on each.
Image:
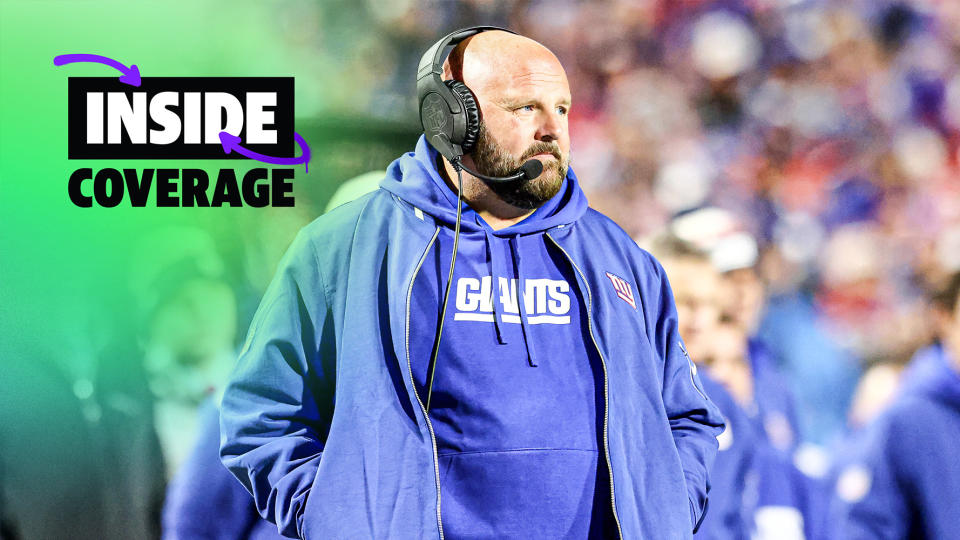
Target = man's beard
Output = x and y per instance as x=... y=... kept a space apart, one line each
x=492 y=160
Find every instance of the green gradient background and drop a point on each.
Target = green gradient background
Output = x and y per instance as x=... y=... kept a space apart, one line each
x=50 y=247
x=65 y=271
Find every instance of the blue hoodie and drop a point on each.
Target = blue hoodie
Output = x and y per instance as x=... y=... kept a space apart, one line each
x=907 y=483
x=728 y=519
x=756 y=491
x=776 y=413
x=515 y=399
x=324 y=422
x=786 y=498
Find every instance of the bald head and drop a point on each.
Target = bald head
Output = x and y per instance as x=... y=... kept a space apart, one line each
x=496 y=58
x=523 y=96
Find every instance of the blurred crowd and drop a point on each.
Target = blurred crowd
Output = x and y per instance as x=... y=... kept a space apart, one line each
x=827 y=129
x=806 y=150
x=792 y=163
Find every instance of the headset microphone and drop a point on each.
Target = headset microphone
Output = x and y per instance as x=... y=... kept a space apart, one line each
x=530 y=169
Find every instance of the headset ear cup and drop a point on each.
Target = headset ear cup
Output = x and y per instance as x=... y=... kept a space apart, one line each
x=472 y=114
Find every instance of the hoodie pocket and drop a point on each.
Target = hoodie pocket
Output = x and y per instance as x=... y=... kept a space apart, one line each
x=523 y=493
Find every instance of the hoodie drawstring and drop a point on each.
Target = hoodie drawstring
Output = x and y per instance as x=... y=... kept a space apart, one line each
x=528 y=342
x=494 y=286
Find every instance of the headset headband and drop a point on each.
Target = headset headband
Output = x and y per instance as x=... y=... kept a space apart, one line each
x=432 y=60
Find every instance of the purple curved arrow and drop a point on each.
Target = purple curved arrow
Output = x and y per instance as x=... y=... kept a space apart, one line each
x=232 y=142
x=131 y=75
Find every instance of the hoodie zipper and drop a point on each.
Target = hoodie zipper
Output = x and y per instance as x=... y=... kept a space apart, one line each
x=606 y=406
x=433 y=438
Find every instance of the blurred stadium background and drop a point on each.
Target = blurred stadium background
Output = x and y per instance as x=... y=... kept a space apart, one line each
x=813 y=142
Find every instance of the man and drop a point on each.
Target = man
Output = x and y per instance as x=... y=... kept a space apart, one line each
x=906 y=482
x=757 y=493
x=560 y=402
x=761 y=390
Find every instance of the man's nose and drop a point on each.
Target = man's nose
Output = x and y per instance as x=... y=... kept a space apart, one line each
x=550 y=127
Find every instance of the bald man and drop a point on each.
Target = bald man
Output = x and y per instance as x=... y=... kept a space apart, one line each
x=562 y=403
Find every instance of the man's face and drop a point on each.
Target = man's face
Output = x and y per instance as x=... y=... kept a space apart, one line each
x=492 y=159
x=695 y=284
x=743 y=295
x=524 y=98
x=728 y=361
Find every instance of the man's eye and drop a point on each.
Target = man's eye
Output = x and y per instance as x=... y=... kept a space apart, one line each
x=526 y=108
x=562 y=110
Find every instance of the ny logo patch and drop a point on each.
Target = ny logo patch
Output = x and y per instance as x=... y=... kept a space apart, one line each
x=624 y=291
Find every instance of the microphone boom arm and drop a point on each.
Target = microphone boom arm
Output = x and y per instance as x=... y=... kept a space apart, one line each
x=530 y=169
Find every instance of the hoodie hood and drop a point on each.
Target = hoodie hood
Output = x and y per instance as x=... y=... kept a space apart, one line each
x=931 y=374
x=414 y=178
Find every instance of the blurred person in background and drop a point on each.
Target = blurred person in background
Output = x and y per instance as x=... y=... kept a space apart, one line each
x=844 y=481
x=780 y=499
x=697 y=312
x=756 y=493
x=203 y=500
x=189 y=340
x=765 y=395
x=906 y=482
x=819 y=371
x=518 y=442
x=189 y=320
x=749 y=367
x=739 y=358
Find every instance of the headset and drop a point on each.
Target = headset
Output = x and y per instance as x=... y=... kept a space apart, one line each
x=449 y=112
x=451 y=122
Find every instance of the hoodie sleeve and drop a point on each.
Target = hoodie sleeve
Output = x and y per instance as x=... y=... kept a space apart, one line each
x=694 y=420
x=278 y=405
